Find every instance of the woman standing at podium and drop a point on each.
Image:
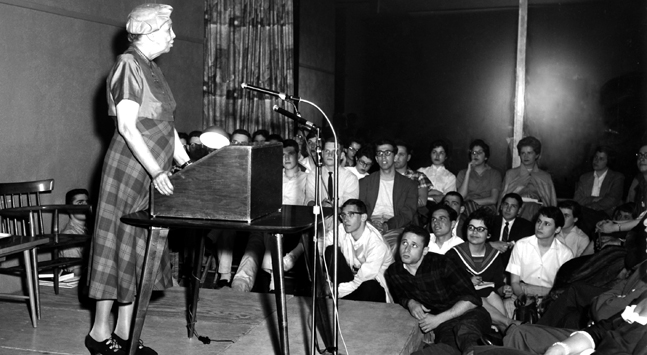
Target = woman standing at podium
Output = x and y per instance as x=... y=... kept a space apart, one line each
x=141 y=151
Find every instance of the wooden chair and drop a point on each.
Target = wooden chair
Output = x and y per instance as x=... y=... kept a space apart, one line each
x=26 y=197
x=21 y=240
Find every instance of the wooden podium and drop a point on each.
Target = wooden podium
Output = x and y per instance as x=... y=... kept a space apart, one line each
x=235 y=183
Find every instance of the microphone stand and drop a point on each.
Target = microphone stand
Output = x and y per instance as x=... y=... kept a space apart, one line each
x=317 y=211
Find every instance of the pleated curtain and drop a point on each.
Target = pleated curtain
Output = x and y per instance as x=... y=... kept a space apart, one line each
x=248 y=41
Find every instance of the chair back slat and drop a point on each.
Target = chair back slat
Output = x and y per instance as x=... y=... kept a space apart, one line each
x=23 y=194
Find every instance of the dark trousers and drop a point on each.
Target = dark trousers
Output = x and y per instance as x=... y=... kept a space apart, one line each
x=570 y=309
x=370 y=290
x=459 y=334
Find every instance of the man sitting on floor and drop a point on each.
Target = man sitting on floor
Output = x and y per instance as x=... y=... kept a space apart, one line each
x=443 y=220
x=76 y=225
x=438 y=293
x=536 y=259
x=363 y=256
x=390 y=198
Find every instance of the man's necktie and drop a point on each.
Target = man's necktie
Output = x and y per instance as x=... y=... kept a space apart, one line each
x=330 y=186
x=506 y=231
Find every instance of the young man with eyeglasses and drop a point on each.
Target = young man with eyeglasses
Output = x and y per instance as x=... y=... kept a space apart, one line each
x=438 y=293
x=443 y=239
x=351 y=152
x=364 y=157
x=363 y=256
x=390 y=198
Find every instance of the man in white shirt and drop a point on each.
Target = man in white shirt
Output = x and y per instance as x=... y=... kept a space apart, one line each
x=536 y=259
x=363 y=256
x=443 y=220
x=571 y=235
x=348 y=184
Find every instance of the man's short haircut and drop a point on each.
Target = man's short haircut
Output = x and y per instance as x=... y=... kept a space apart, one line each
x=402 y=143
x=291 y=143
x=366 y=151
x=440 y=143
x=554 y=213
x=479 y=143
x=195 y=134
x=531 y=142
x=361 y=206
x=481 y=214
x=571 y=205
x=453 y=193
x=261 y=132
x=356 y=140
x=417 y=230
x=384 y=141
x=184 y=136
x=628 y=207
x=611 y=156
x=69 y=196
x=275 y=137
x=514 y=196
x=244 y=132
x=453 y=215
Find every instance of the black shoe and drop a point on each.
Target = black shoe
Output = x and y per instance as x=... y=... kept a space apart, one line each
x=109 y=346
x=221 y=283
x=141 y=349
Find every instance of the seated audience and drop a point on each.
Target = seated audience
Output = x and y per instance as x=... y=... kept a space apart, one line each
x=571 y=235
x=390 y=198
x=601 y=189
x=638 y=189
x=348 y=185
x=443 y=220
x=364 y=161
x=438 y=293
x=240 y=136
x=533 y=184
x=479 y=184
x=294 y=193
x=454 y=200
x=275 y=138
x=224 y=239
x=350 y=152
x=508 y=227
x=536 y=259
x=260 y=136
x=485 y=265
x=363 y=256
x=76 y=225
x=441 y=179
x=401 y=162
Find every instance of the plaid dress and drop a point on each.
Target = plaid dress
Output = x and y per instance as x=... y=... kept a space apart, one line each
x=117 y=252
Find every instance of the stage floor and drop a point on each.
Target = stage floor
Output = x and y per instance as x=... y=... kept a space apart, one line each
x=236 y=323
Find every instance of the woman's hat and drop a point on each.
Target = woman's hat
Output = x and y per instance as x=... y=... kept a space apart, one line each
x=148 y=18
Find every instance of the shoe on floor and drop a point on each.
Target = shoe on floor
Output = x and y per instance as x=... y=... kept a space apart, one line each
x=109 y=346
x=141 y=349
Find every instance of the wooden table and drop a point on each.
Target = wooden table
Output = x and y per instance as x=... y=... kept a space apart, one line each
x=290 y=219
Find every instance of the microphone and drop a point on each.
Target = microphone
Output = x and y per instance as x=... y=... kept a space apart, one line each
x=281 y=95
x=293 y=116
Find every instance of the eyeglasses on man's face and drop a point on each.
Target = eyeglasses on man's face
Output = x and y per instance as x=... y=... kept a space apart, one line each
x=384 y=153
x=348 y=214
x=364 y=164
x=641 y=156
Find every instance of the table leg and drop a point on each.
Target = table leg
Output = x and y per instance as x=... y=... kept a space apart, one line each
x=195 y=284
x=279 y=289
x=154 y=249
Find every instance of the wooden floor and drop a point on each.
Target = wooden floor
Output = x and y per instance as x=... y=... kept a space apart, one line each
x=236 y=323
